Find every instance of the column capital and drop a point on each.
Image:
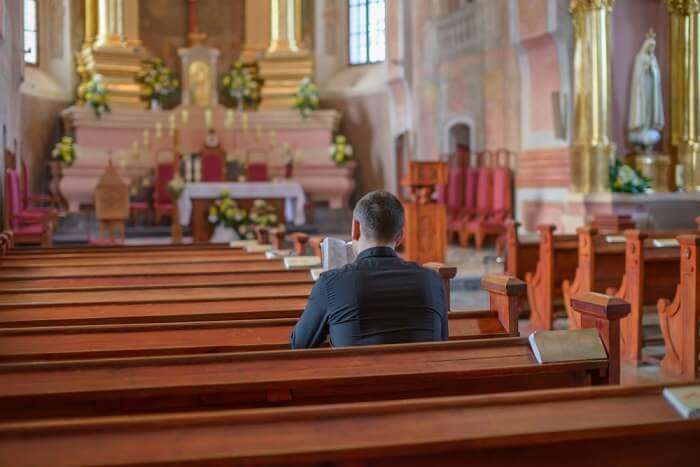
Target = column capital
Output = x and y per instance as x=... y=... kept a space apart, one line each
x=683 y=7
x=578 y=6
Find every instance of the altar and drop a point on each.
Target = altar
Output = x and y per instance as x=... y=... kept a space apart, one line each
x=196 y=198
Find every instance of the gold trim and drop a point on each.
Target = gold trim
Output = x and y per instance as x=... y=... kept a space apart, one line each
x=683 y=7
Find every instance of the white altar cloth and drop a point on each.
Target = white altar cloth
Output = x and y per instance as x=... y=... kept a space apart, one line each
x=291 y=192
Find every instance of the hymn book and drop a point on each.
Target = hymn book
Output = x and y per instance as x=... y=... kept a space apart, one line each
x=277 y=254
x=301 y=262
x=242 y=243
x=686 y=400
x=336 y=253
x=258 y=248
x=567 y=346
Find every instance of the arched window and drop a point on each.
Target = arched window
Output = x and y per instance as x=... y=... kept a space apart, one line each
x=31 y=32
x=366 y=31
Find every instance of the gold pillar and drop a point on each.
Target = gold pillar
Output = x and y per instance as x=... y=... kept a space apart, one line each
x=257 y=30
x=592 y=149
x=685 y=88
x=285 y=63
x=115 y=52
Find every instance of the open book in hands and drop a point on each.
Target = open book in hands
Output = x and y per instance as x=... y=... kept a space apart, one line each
x=335 y=253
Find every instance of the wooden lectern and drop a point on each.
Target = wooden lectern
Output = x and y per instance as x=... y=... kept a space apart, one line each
x=111 y=206
x=426 y=219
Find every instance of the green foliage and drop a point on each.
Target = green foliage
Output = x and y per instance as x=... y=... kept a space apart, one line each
x=340 y=151
x=239 y=86
x=227 y=212
x=64 y=151
x=97 y=96
x=158 y=82
x=306 y=99
x=624 y=179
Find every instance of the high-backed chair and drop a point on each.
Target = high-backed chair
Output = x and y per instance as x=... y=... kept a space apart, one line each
x=494 y=222
x=28 y=228
x=49 y=212
x=257 y=172
x=484 y=202
x=162 y=202
x=213 y=167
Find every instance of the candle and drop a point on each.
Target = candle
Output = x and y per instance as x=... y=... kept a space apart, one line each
x=207 y=118
x=171 y=121
x=230 y=117
x=185 y=116
x=146 y=138
x=159 y=129
x=244 y=122
x=135 y=147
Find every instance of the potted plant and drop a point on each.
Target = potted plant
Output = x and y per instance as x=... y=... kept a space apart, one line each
x=97 y=96
x=306 y=99
x=158 y=83
x=240 y=86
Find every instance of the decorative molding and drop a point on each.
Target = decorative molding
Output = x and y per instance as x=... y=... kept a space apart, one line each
x=683 y=7
x=457 y=34
x=578 y=6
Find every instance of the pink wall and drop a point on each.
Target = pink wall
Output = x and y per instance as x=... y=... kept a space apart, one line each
x=631 y=21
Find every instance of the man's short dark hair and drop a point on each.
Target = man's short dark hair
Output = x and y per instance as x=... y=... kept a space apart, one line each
x=380 y=215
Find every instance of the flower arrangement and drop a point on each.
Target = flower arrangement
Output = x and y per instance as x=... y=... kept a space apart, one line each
x=226 y=212
x=240 y=86
x=64 y=151
x=176 y=186
x=262 y=214
x=624 y=179
x=340 y=151
x=158 y=82
x=97 y=95
x=306 y=99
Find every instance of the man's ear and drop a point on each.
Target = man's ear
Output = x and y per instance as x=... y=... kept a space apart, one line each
x=355 y=233
x=400 y=237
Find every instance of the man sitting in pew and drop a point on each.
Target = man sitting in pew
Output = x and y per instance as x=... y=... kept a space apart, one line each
x=379 y=298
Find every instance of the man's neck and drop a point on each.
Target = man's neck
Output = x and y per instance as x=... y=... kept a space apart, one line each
x=363 y=246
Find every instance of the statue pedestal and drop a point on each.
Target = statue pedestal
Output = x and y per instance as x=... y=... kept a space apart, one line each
x=654 y=211
x=321 y=179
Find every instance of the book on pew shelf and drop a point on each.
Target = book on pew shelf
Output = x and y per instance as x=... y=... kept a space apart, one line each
x=301 y=262
x=665 y=242
x=258 y=248
x=686 y=400
x=242 y=243
x=615 y=239
x=315 y=273
x=567 y=346
x=277 y=254
x=336 y=253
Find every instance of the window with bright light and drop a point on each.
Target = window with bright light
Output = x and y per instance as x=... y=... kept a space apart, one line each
x=31 y=32
x=366 y=31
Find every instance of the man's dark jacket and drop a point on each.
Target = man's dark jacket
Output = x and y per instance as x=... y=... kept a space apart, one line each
x=377 y=299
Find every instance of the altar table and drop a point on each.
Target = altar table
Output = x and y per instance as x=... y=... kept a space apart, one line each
x=287 y=193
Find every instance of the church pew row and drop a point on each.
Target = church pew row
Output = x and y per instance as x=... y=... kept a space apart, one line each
x=556 y=263
x=651 y=273
x=139 y=340
x=81 y=388
x=521 y=257
x=579 y=427
x=679 y=318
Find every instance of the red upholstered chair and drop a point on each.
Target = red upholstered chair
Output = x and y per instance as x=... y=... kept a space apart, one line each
x=49 y=212
x=454 y=195
x=256 y=172
x=494 y=222
x=28 y=228
x=213 y=167
x=483 y=202
x=468 y=208
x=162 y=203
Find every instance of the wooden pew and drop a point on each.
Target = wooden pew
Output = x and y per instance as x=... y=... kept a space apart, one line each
x=651 y=272
x=620 y=426
x=557 y=262
x=230 y=256
x=521 y=257
x=151 y=339
x=679 y=318
x=273 y=378
x=601 y=265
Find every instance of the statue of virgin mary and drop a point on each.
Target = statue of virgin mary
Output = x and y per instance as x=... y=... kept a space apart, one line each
x=646 y=118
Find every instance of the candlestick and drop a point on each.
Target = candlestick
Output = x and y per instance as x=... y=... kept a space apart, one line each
x=230 y=117
x=185 y=116
x=171 y=122
x=159 y=129
x=244 y=122
x=208 y=118
x=135 y=147
x=146 y=138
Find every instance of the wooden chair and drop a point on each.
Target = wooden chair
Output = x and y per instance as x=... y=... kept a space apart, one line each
x=679 y=319
x=484 y=203
x=469 y=208
x=493 y=223
x=28 y=228
x=162 y=201
x=30 y=200
x=556 y=263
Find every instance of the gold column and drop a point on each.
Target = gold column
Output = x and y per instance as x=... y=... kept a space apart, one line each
x=90 y=22
x=685 y=88
x=285 y=63
x=592 y=149
x=116 y=52
x=257 y=30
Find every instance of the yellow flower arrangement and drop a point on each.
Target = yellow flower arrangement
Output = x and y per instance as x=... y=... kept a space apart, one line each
x=306 y=99
x=64 y=151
